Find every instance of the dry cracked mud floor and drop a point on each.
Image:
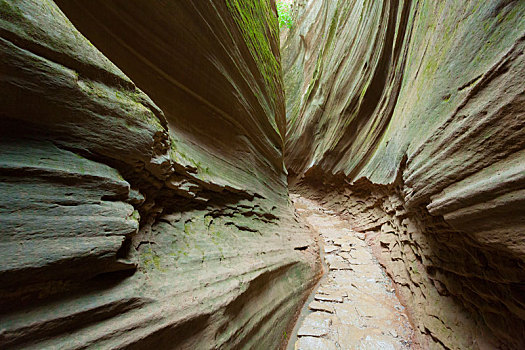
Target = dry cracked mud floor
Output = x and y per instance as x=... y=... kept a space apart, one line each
x=354 y=306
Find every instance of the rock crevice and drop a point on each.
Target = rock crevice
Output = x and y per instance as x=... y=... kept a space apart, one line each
x=407 y=118
x=146 y=151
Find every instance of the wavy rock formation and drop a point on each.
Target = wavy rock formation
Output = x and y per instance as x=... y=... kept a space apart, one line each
x=412 y=114
x=145 y=205
x=145 y=148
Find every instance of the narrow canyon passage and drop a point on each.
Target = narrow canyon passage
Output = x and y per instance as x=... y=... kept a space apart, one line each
x=354 y=306
x=148 y=150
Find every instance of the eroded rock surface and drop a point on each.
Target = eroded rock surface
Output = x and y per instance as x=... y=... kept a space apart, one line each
x=143 y=195
x=419 y=106
x=354 y=307
x=144 y=199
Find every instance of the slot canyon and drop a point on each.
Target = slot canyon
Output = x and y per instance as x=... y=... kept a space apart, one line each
x=200 y=174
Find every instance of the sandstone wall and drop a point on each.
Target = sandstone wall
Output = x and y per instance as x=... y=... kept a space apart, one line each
x=143 y=198
x=420 y=106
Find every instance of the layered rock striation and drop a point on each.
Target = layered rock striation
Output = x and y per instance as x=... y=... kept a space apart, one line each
x=408 y=117
x=144 y=198
x=143 y=193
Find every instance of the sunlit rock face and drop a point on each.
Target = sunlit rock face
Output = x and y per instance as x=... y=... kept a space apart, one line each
x=414 y=112
x=143 y=198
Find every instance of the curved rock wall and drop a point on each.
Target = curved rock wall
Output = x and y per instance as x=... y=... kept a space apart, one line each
x=143 y=193
x=419 y=105
x=213 y=68
x=145 y=205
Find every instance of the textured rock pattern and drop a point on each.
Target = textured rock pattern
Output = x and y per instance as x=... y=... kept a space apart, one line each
x=370 y=82
x=214 y=70
x=143 y=193
x=128 y=223
x=354 y=306
x=420 y=105
x=459 y=294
